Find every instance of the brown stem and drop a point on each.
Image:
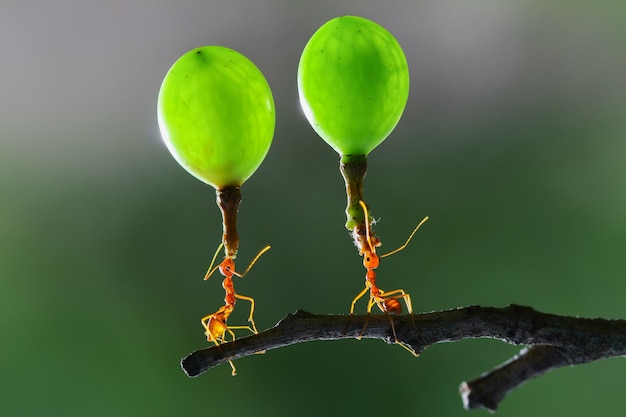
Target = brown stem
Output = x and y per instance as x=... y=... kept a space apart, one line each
x=353 y=169
x=228 y=199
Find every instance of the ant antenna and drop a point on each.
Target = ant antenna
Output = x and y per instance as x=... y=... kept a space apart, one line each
x=256 y=258
x=210 y=271
x=367 y=226
x=407 y=241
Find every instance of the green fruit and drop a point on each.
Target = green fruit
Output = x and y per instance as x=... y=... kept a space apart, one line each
x=216 y=115
x=353 y=81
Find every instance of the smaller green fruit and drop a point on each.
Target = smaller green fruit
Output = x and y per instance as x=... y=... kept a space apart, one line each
x=216 y=115
x=353 y=82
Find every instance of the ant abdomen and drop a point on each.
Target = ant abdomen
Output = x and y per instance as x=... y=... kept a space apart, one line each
x=393 y=306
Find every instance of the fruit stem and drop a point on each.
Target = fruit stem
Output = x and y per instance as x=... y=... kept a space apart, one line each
x=353 y=169
x=228 y=199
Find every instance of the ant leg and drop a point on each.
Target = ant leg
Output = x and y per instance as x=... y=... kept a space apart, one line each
x=369 y=309
x=248 y=328
x=357 y=298
x=206 y=318
x=251 y=330
x=378 y=301
x=232 y=334
x=370 y=303
x=205 y=323
x=215 y=324
x=407 y=300
x=250 y=318
x=409 y=306
x=408 y=349
x=393 y=329
x=233 y=371
x=400 y=294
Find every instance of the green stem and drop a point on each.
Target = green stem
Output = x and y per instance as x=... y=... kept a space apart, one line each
x=228 y=199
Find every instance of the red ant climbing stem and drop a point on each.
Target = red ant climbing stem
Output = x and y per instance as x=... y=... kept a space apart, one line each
x=215 y=324
x=387 y=301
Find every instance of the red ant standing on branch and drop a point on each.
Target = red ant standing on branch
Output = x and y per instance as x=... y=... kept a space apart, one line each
x=387 y=301
x=215 y=324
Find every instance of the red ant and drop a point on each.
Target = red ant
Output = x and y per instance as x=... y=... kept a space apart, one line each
x=215 y=324
x=387 y=301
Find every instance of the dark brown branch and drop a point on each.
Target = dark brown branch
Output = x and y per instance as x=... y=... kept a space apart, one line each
x=490 y=388
x=554 y=341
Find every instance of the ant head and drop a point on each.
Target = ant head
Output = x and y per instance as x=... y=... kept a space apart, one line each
x=370 y=260
x=227 y=267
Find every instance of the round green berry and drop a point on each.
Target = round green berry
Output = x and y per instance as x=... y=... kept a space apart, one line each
x=353 y=81
x=216 y=115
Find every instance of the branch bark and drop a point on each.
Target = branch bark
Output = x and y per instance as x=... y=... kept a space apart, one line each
x=552 y=341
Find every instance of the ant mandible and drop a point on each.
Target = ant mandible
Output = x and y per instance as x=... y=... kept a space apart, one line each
x=215 y=324
x=387 y=301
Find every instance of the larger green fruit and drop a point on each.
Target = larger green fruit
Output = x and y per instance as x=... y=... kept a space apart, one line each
x=216 y=115
x=353 y=81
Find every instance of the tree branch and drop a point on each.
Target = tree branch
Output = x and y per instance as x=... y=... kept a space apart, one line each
x=554 y=341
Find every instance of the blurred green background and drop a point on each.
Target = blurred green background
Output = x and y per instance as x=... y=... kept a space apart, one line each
x=513 y=142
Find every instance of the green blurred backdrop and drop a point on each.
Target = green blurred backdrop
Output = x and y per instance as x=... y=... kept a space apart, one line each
x=513 y=142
